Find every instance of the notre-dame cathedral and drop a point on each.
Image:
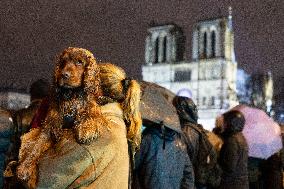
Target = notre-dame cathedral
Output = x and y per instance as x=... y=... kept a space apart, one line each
x=210 y=78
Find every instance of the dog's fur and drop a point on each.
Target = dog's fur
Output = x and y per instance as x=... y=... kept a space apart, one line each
x=73 y=104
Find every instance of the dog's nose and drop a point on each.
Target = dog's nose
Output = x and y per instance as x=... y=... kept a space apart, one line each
x=66 y=75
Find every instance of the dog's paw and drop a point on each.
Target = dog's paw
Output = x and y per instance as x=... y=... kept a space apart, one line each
x=25 y=172
x=32 y=181
x=85 y=134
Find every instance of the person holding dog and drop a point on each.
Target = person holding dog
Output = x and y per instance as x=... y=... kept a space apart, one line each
x=83 y=141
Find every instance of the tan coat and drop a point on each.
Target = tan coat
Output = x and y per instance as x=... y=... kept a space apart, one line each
x=102 y=164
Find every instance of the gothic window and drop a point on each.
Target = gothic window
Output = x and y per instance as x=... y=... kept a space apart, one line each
x=184 y=75
x=157 y=50
x=212 y=100
x=204 y=45
x=164 y=49
x=213 y=43
x=204 y=101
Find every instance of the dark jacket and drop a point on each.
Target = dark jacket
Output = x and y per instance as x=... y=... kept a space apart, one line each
x=162 y=161
x=6 y=128
x=188 y=116
x=187 y=112
x=272 y=172
x=192 y=137
x=234 y=160
x=255 y=173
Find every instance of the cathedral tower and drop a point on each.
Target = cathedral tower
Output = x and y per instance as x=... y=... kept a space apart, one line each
x=213 y=52
x=164 y=44
x=214 y=39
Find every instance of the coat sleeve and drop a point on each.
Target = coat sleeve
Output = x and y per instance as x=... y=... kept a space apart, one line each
x=192 y=138
x=229 y=155
x=188 y=175
x=142 y=152
x=139 y=161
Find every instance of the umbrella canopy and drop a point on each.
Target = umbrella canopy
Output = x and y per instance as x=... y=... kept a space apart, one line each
x=156 y=106
x=262 y=133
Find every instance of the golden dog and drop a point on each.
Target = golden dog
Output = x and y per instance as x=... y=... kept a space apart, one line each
x=72 y=105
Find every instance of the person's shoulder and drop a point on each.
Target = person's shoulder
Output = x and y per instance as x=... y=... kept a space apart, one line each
x=5 y=115
x=238 y=136
x=193 y=129
x=113 y=112
x=111 y=107
x=235 y=139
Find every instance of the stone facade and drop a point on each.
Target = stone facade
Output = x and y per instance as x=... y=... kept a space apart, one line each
x=210 y=78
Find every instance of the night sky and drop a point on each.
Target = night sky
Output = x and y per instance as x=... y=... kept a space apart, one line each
x=33 y=32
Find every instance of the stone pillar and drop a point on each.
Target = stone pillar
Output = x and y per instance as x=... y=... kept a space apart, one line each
x=161 y=49
x=222 y=39
x=169 y=47
x=195 y=45
x=148 y=49
x=218 y=42
x=174 y=49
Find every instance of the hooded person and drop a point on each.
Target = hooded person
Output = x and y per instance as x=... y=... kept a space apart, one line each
x=234 y=152
x=162 y=160
x=188 y=116
x=202 y=153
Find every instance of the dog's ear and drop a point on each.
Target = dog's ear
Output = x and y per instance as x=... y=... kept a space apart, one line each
x=91 y=76
x=57 y=66
x=56 y=70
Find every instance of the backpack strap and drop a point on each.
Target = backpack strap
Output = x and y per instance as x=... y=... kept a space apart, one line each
x=163 y=134
x=198 y=128
x=202 y=136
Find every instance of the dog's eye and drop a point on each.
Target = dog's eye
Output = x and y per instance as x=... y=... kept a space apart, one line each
x=79 y=62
